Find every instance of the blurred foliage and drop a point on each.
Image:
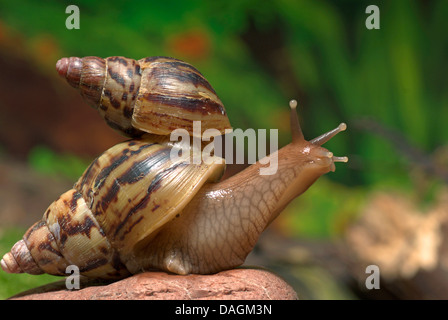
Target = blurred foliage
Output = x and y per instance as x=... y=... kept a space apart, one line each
x=321 y=213
x=44 y=160
x=259 y=55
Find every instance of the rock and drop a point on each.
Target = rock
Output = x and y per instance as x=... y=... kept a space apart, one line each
x=245 y=284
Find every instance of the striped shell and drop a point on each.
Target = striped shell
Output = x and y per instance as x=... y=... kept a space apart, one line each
x=154 y=95
x=125 y=196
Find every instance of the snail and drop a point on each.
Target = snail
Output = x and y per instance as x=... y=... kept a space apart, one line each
x=155 y=94
x=136 y=208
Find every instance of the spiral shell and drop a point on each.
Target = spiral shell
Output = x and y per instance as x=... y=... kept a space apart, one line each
x=125 y=196
x=154 y=95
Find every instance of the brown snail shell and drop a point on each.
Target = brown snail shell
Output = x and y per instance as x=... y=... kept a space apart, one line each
x=154 y=95
x=124 y=197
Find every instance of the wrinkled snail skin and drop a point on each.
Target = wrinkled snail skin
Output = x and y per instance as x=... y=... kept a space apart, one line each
x=137 y=208
x=154 y=94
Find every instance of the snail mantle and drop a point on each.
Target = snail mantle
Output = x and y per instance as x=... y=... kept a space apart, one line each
x=240 y=283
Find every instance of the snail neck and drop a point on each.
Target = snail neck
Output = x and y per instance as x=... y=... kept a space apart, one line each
x=260 y=198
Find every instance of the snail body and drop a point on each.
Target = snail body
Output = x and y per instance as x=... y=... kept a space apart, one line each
x=137 y=208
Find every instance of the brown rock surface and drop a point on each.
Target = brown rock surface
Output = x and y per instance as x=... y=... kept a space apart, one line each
x=245 y=284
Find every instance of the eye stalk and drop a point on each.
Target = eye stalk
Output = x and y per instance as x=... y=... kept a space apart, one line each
x=323 y=156
x=320 y=140
x=296 y=130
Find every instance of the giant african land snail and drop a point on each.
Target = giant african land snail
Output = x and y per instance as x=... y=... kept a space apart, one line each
x=135 y=208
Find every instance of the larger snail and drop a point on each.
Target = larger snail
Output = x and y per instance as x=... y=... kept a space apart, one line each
x=135 y=208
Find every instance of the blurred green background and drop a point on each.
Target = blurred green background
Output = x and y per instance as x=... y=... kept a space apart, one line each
x=388 y=85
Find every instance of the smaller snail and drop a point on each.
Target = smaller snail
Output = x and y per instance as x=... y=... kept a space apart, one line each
x=154 y=94
x=135 y=208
